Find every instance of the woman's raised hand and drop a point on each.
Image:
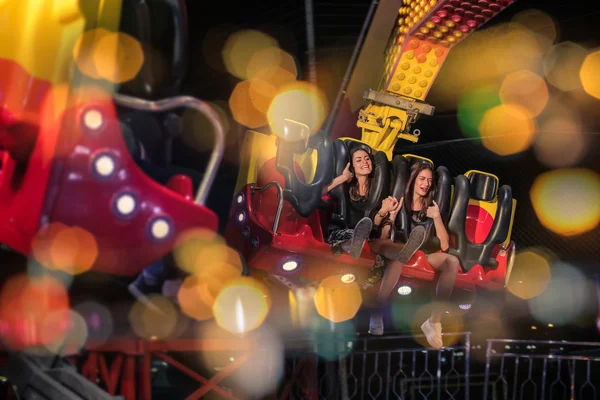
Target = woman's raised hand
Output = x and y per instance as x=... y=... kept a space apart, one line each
x=388 y=204
x=347 y=174
x=433 y=211
x=394 y=211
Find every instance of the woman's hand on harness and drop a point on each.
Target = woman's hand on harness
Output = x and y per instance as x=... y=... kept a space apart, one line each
x=433 y=212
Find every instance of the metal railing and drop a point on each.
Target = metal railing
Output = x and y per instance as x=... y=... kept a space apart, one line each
x=532 y=370
x=389 y=367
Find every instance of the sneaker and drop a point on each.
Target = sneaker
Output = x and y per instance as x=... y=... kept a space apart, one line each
x=376 y=324
x=414 y=243
x=433 y=332
x=362 y=231
x=140 y=289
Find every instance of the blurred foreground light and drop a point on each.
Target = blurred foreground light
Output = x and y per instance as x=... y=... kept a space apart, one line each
x=261 y=375
x=566 y=201
x=332 y=340
x=473 y=105
x=562 y=64
x=243 y=109
x=242 y=306
x=589 y=74
x=526 y=89
x=337 y=301
x=74 y=327
x=302 y=102
x=507 y=129
x=118 y=57
x=541 y=24
x=84 y=50
x=560 y=142
x=98 y=320
x=25 y=303
x=452 y=322
x=530 y=274
x=154 y=323
x=568 y=297
x=240 y=48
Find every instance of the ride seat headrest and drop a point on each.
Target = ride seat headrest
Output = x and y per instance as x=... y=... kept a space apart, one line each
x=484 y=187
x=352 y=145
x=413 y=159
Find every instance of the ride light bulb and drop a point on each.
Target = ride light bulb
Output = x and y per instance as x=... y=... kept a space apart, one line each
x=348 y=278
x=404 y=290
x=241 y=217
x=240 y=198
x=93 y=119
x=126 y=204
x=160 y=228
x=290 y=266
x=466 y=306
x=104 y=165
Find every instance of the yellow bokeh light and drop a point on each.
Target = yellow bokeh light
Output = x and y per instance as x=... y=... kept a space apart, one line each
x=265 y=63
x=530 y=274
x=264 y=88
x=302 y=102
x=151 y=324
x=588 y=74
x=241 y=47
x=560 y=142
x=242 y=306
x=243 y=109
x=451 y=322
x=196 y=248
x=562 y=64
x=84 y=49
x=118 y=57
x=526 y=89
x=567 y=201
x=540 y=23
x=507 y=129
x=337 y=301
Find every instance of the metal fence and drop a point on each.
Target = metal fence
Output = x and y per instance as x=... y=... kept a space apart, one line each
x=389 y=367
x=540 y=370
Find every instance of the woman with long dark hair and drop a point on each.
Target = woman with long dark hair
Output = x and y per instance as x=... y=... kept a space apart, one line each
x=359 y=174
x=418 y=198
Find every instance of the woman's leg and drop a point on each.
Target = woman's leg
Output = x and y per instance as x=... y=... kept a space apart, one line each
x=447 y=266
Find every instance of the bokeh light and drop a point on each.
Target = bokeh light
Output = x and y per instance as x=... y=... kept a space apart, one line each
x=568 y=296
x=242 y=305
x=473 y=105
x=65 y=11
x=567 y=201
x=72 y=250
x=300 y=101
x=196 y=248
x=261 y=375
x=84 y=49
x=337 y=301
x=72 y=325
x=530 y=274
x=263 y=89
x=154 y=324
x=241 y=47
x=507 y=129
x=243 y=109
x=588 y=74
x=332 y=340
x=267 y=62
x=526 y=89
x=118 y=57
x=98 y=320
x=541 y=24
x=562 y=64
x=25 y=302
x=560 y=142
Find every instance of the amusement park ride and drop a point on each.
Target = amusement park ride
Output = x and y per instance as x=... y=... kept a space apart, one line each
x=64 y=162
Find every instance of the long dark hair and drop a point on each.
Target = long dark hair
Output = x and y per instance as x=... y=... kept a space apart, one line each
x=426 y=201
x=353 y=185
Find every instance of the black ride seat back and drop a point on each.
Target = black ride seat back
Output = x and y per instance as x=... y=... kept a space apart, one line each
x=401 y=165
x=345 y=213
x=473 y=190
